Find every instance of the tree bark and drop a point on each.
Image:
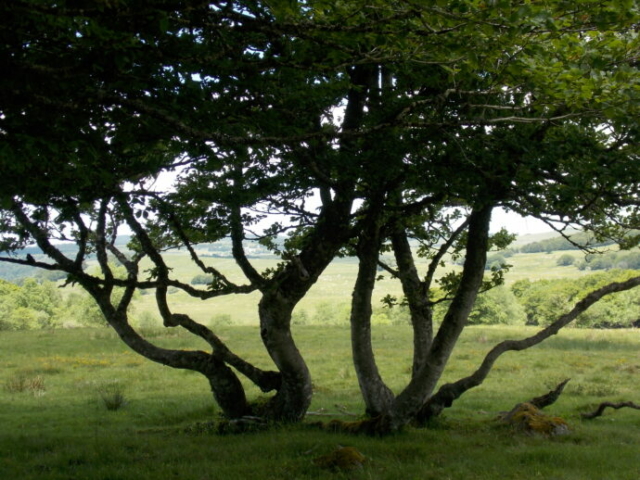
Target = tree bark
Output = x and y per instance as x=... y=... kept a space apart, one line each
x=294 y=395
x=225 y=385
x=604 y=405
x=377 y=396
x=280 y=296
x=413 y=397
x=419 y=306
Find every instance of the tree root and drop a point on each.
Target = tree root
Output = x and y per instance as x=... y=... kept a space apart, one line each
x=601 y=408
x=528 y=418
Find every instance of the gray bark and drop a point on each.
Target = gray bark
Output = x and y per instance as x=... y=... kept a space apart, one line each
x=412 y=398
x=377 y=396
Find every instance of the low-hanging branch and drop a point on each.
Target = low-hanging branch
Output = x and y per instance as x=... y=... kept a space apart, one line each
x=450 y=392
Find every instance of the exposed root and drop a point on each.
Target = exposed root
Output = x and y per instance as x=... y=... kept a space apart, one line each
x=601 y=408
x=529 y=418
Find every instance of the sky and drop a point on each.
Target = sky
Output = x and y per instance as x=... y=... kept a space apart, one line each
x=514 y=223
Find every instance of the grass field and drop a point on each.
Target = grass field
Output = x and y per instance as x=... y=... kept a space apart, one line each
x=55 y=387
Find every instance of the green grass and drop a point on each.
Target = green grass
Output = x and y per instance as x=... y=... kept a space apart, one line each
x=62 y=428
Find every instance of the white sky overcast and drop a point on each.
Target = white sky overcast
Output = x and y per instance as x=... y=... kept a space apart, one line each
x=514 y=223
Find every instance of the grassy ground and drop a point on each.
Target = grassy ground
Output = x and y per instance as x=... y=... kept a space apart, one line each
x=55 y=387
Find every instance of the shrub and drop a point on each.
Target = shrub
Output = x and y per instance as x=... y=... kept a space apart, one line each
x=201 y=279
x=497 y=306
x=565 y=260
x=112 y=396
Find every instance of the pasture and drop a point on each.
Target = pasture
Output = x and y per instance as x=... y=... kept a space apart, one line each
x=56 y=388
x=331 y=292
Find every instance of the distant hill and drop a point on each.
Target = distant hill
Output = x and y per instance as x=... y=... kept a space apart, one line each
x=558 y=243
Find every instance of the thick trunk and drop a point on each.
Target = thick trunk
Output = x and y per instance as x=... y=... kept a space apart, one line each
x=280 y=297
x=377 y=396
x=294 y=395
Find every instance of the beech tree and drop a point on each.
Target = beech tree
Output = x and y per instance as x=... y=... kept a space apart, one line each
x=368 y=125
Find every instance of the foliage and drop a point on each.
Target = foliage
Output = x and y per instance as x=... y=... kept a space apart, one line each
x=362 y=124
x=201 y=279
x=565 y=260
x=34 y=305
x=573 y=242
x=545 y=300
x=616 y=260
x=497 y=306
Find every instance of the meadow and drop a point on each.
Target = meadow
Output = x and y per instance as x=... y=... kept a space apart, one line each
x=76 y=404
x=330 y=296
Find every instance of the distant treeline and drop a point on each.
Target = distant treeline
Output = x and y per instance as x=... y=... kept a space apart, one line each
x=560 y=243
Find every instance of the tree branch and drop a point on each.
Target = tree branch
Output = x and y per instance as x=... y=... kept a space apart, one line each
x=601 y=408
x=448 y=393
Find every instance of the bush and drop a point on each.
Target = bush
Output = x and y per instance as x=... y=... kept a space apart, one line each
x=497 y=306
x=565 y=260
x=201 y=279
x=545 y=300
x=495 y=262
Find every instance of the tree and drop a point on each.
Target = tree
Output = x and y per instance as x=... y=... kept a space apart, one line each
x=403 y=121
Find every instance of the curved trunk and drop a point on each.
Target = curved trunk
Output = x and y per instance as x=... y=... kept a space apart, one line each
x=225 y=385
x=377 y=396
x=419 y=306
x=280 y=297
x=294 y=394
x=423 y=382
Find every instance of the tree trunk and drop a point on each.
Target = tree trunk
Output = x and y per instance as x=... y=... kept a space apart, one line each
x=377 y=396
x=421 y=386
x=280 y=297
x=294 y=395
x=450 y=392
x=225 y=385
x=419 y=306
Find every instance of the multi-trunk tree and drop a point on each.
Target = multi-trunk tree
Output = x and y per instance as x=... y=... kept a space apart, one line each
x=369 y=125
